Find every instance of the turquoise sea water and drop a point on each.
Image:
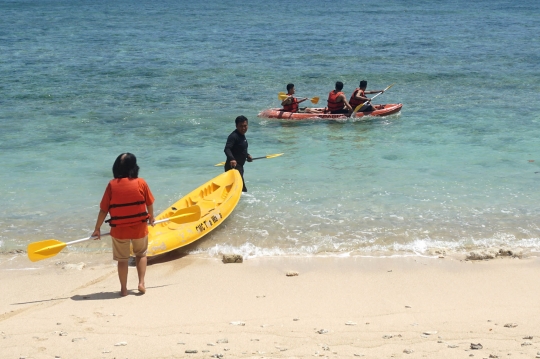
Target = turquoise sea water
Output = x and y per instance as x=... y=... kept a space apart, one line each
x=82 y=82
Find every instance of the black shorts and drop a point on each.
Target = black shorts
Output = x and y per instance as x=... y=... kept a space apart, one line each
x=337 y=112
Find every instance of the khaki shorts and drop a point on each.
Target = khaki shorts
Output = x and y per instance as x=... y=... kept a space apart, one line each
x=121 y=248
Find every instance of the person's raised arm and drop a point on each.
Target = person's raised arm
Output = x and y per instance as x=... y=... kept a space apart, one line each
x=358 y=96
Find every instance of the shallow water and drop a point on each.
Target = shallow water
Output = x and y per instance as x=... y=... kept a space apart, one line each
x=82 y=83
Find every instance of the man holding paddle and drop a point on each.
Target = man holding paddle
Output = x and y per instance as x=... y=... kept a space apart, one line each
x=129 y=201
x=358 y=97
x=236 y=148
x=290 y=103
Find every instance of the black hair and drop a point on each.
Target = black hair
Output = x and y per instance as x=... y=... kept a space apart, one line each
x=363 y=84
x=289 y=87
x=125 y=166
x=240 y=119
x=339 y=86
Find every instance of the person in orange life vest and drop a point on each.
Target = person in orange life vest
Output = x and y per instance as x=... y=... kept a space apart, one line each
x=337 y=102
x=359 y=97
x=130 y=203
x=290 y=104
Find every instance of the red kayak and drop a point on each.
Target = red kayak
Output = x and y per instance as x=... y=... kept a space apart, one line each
x=279 y=113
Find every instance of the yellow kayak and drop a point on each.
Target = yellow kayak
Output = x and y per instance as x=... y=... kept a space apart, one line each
x=216 y=198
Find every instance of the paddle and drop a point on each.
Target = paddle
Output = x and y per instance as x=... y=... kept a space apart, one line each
x=51 y=247
x=256 y=158
x=282 y=96
x=359 y=107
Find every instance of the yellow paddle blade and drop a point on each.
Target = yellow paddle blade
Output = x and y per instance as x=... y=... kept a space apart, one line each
x=389 y=86
x=44 y=249
x=315 y=99
x=282 y=97
x=186 y=215
x=274 y=155
x=219 y=164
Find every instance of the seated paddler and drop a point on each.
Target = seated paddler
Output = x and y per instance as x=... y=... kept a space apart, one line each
x=290 y=104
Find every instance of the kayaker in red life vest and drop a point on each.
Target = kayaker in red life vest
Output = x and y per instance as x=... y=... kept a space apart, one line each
x=359 y=97
x=130 y=203
x=337 y=102
x=290 y=104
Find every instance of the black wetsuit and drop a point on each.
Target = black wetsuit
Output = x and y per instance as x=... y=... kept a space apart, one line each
x=236 y=149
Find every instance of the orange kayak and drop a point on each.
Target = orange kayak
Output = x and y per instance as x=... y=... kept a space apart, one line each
x=380 y=110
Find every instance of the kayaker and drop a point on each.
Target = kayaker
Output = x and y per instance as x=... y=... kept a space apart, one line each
x=337 y=101
x=359 y=97
x=130 y=203
x=290 y=104
x=236 y=148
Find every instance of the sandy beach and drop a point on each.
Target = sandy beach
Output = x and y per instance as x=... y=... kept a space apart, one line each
x=199 y=307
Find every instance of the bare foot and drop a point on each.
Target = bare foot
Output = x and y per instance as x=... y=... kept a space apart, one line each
x=142 y=289
x=123 y=292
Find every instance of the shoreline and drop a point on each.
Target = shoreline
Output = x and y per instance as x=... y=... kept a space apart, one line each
x=18 y=257
x=334 y=307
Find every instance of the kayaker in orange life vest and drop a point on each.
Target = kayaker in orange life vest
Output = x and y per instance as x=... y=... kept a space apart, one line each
x=359 y=97
x=290 y=104
x=337 y=102
x=129 y=201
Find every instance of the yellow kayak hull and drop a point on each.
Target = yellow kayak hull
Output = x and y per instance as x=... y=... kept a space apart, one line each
x=217 y=199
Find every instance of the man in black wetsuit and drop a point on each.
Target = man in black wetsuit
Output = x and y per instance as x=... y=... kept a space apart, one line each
x=236 y=148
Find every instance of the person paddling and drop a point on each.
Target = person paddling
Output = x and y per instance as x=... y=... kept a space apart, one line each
x=130 y=203
x=236 y=148
x=337 y=102
x=290 y=104
x=359 y=97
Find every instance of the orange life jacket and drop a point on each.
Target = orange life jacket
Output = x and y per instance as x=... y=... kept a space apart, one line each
x=333 y=105
x=128 y=205
x=355 y=101
x=292 y=107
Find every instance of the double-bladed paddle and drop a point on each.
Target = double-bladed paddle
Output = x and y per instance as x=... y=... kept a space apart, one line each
x=51 y=247
x=282 y=96
x=359 y=107
x=256 y=158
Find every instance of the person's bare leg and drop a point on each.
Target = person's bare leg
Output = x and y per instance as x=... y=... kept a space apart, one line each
x=141 y=271
x=123 y=275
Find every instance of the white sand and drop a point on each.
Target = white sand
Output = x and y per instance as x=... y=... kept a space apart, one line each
x=191 y=302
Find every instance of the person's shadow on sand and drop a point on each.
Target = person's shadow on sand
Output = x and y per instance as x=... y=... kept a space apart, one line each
x=99 y=296
x=111 y=295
